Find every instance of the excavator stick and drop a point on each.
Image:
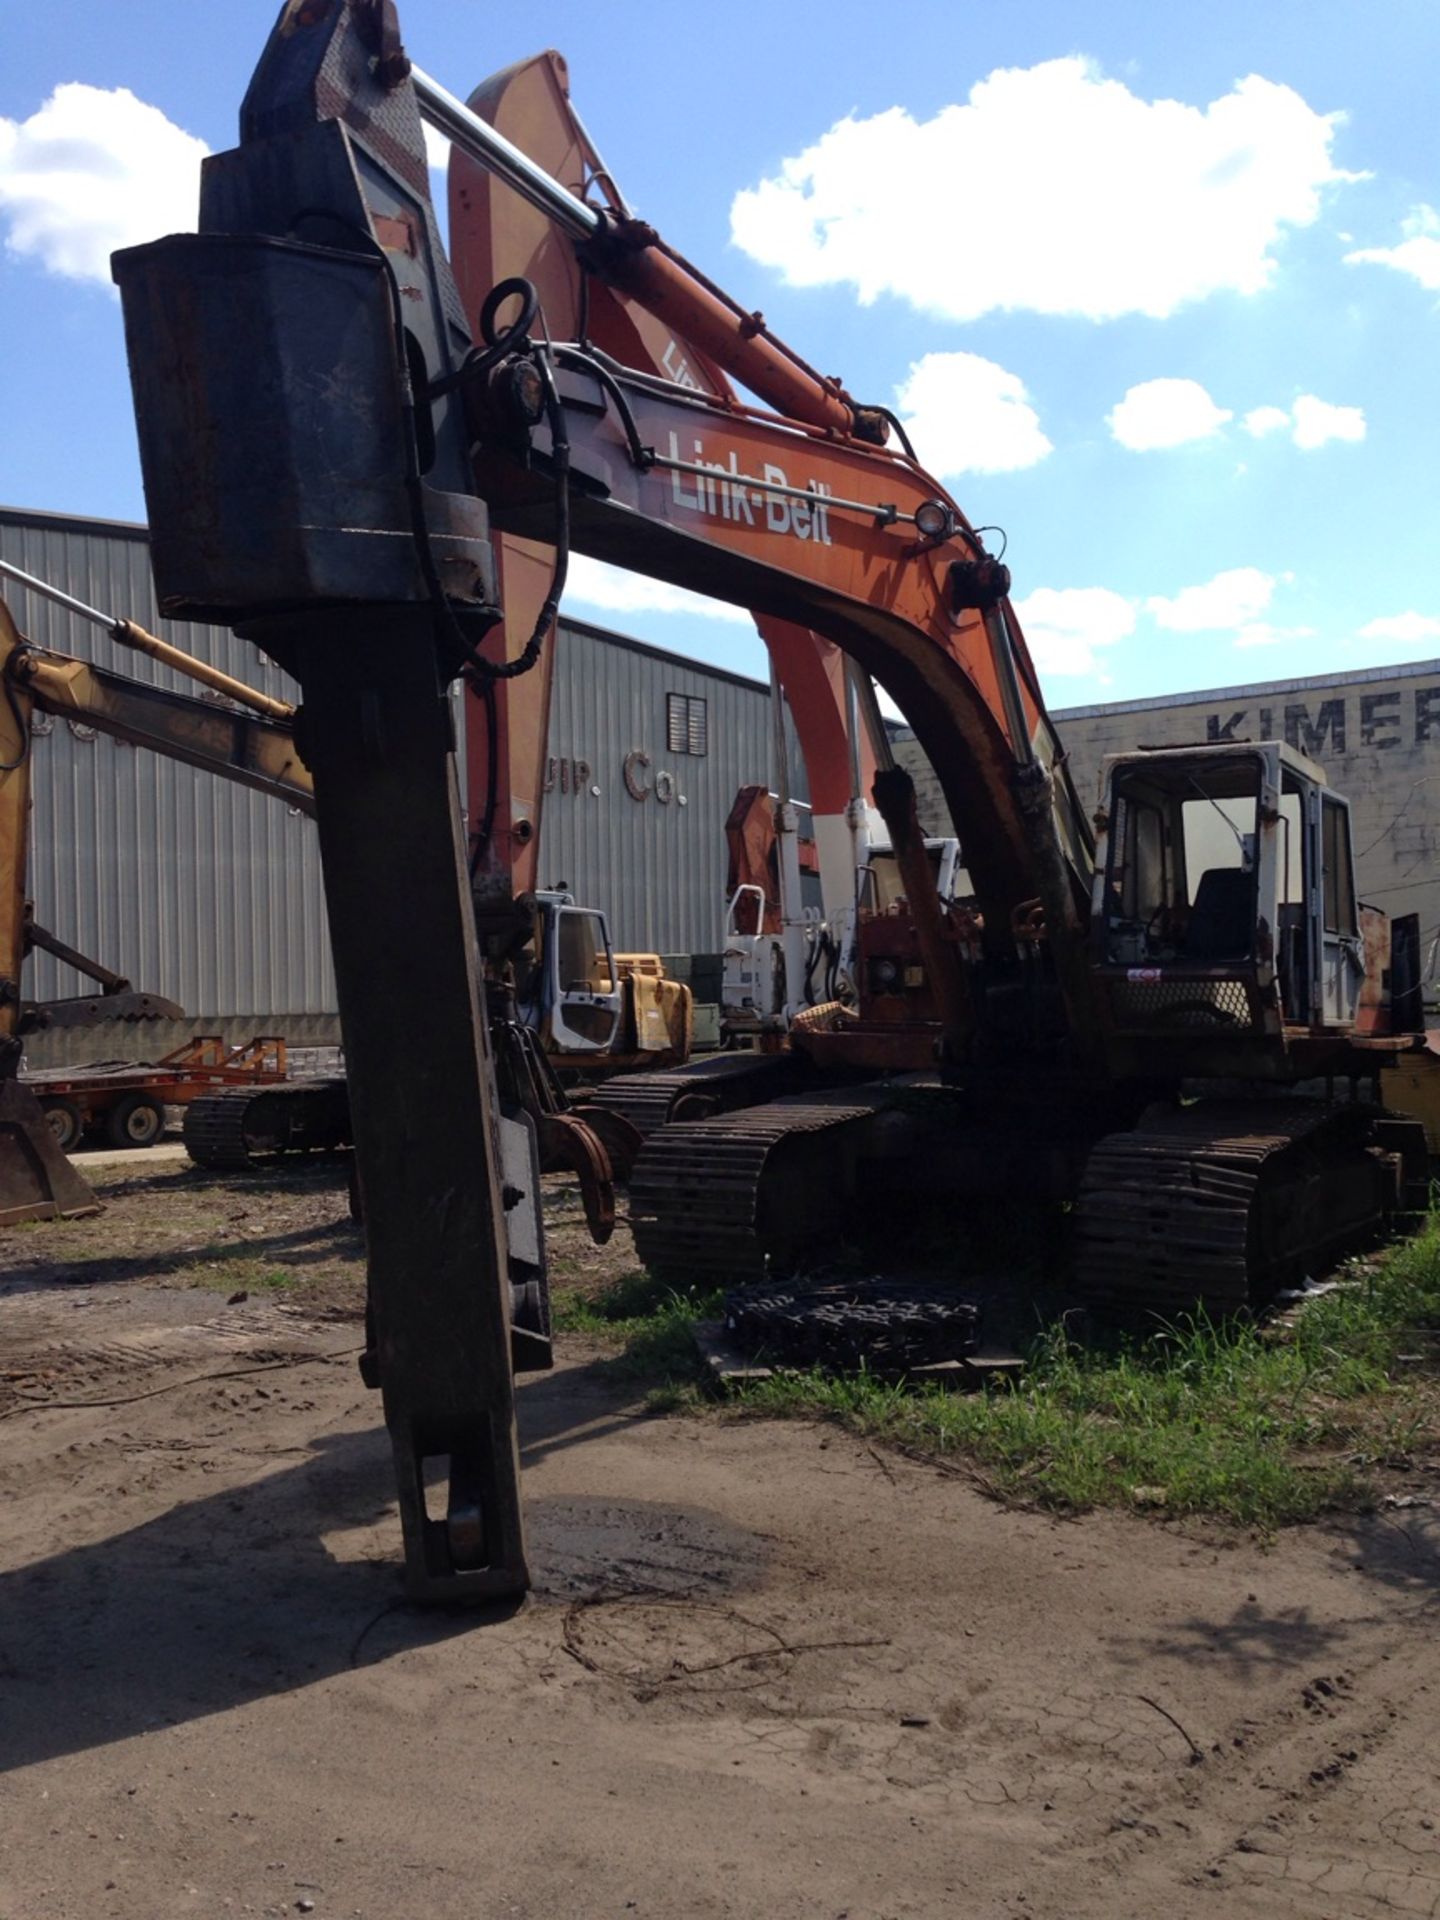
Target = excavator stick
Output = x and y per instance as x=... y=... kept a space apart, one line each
x=392 y=846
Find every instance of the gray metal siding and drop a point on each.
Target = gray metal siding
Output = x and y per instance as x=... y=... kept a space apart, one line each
x=211 y=895
x=657 y=868
x=190 y=886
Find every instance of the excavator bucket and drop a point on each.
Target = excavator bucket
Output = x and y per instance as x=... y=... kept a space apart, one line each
x=37 y=1182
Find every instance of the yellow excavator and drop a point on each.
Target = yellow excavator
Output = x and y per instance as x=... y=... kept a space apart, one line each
x=580 y=1003
x=247 y=739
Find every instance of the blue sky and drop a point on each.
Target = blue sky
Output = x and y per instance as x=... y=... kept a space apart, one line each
x=1157 y=286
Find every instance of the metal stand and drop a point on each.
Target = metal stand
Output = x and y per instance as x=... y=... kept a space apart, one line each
x=376 y=731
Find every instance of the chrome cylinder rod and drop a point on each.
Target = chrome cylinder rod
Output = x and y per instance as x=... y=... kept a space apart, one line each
x=126 y=633
x=44 y=588
x=492 y=150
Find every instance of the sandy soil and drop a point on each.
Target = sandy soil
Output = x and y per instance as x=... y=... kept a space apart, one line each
x=767 y=1670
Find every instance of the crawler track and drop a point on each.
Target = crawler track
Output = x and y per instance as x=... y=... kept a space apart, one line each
x=713 y=1200
x=720 y=1084
x=1219 y=1206
x=227 y=1132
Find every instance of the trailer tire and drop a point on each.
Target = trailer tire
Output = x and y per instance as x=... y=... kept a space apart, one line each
x=136 y=1121
x=65 y=1120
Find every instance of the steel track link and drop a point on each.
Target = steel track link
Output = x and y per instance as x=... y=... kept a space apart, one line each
x=1218 y=1207
x=714 y=1199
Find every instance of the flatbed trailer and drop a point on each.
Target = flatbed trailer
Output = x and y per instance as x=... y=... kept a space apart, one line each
x=125 y=1100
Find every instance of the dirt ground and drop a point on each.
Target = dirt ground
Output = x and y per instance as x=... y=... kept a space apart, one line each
x=767 y=1670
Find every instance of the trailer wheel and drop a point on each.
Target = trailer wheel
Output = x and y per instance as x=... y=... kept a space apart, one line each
x=66 y=1122
x=137 y=1121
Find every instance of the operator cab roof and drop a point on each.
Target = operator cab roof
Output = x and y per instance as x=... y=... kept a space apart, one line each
x=1283 y=757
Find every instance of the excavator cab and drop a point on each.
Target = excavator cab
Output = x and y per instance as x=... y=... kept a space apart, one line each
x=1224 y=904
x=880 y=886
x=576 y=1000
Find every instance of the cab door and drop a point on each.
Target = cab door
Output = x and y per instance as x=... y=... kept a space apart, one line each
x=1335 y=920
x=586 y=1000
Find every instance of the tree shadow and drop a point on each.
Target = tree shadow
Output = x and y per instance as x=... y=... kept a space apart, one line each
x=1398 y=1547
x=1254 y=1639
x=316 y=1172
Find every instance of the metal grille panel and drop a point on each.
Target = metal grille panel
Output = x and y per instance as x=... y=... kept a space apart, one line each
x=1173 y=1006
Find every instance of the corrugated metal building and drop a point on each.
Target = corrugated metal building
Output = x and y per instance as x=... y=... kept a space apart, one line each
x=199 y=890
x=662 y=744
x=190 y=886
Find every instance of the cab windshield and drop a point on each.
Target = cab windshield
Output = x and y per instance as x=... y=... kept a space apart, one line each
x=1180 y=885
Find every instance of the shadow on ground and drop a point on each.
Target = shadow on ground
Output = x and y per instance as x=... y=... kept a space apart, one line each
x=328 y=1241
x=235 y=1597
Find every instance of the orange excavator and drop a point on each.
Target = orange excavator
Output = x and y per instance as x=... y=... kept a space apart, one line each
x=334 y=426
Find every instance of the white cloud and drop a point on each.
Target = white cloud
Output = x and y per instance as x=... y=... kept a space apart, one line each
x=593 y=583
x=1065 y=627
x=92 y=170
x=1074 y=195
x=1261 y=421
x=1418 y=254
x=1317 y=422
x=1404 y=629
x=1312 y=422
x=1165 y=413
x=1231 y=601
x=968 y=415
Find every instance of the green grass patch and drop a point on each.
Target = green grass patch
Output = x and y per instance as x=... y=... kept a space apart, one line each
x=627 y=1304
x=1260 y=1426
x=651 y=1327
x=242 y=1276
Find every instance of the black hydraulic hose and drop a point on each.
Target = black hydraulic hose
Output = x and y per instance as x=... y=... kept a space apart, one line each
x=560 y=461
x=894 y=420
x=591 y=363
x=484 y=673
x=480 y=838
x=413 y=479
